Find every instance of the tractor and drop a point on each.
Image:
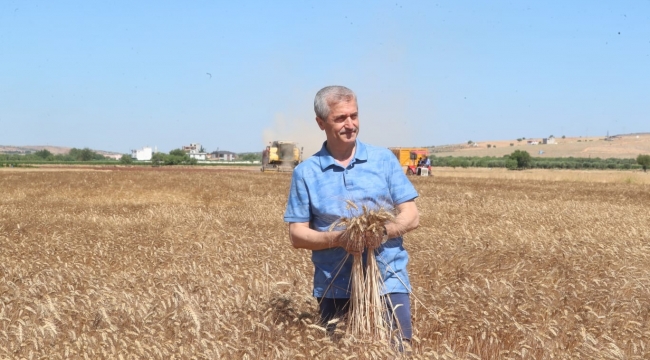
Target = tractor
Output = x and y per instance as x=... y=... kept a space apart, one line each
x=410 y=158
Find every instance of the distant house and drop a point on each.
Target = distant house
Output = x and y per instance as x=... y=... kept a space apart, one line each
x=194 y=151
x=113 y=156
x=192 y=148
x=532 y=142
x=548 y=140
x=143 y=154
x=223 y=155
x=199 y=156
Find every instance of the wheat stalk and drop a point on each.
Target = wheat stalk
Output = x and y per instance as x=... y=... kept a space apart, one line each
x=368 y=312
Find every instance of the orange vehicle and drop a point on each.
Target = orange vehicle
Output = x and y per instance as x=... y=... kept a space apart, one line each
x=409 y=158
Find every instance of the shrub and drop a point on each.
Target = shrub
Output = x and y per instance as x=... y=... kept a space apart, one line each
x=522 y=158
x=644 y=161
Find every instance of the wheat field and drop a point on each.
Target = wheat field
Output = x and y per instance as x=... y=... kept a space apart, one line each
x=197 y=264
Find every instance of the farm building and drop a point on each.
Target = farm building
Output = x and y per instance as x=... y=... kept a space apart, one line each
x=113 y=156
x=143 y=154
x=194 y=151
x=548 y=141
x=223 y=155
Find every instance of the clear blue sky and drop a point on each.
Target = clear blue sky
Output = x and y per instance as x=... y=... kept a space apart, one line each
x=120 y=75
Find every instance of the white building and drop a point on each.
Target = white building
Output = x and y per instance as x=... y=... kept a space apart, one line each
x=198 y=156
x=223 y=155
x=113 y=156
x=193 y=148
x=194 y=151
x=143 y=154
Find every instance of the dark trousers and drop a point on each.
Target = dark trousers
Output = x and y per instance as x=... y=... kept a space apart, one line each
x=398 y=315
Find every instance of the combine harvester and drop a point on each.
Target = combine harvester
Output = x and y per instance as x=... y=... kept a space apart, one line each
x=409 y=158
x=281 y=156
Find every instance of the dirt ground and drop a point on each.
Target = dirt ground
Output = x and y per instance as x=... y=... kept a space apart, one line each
x=628 y=146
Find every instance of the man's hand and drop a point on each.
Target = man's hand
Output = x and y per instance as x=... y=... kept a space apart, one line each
x=302 y=237
x=352 y=246
x=373 y=240
x=407 y=219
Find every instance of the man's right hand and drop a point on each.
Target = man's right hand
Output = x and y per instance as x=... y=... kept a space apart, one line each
x=352 y=246
x=303 y=237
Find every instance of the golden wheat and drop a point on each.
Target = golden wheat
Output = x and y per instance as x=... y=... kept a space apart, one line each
x=183 y=264
x=367 y=318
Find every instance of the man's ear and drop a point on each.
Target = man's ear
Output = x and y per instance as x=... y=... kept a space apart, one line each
x=320 y=122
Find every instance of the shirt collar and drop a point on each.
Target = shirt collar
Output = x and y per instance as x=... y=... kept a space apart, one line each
x=326 y=159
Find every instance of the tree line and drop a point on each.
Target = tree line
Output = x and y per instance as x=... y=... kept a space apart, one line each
x=45 y=155
x=88 y=156
x=521 y=159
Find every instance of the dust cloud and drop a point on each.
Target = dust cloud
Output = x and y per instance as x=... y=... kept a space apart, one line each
x=304 y=131
x=382 y=122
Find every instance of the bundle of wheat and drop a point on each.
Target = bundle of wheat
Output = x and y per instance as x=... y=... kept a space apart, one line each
x=363 y=230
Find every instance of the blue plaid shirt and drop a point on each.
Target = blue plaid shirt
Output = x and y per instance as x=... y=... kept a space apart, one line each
x=319 y=190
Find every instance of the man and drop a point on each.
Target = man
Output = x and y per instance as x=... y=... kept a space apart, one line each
x=346 y=169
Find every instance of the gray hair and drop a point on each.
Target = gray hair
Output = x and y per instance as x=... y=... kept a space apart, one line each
x=331 y=95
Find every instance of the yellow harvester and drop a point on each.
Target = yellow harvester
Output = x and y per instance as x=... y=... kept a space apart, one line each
x=281 y=155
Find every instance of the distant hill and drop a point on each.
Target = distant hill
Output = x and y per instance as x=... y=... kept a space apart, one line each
x=24 y=149
x=617 y=146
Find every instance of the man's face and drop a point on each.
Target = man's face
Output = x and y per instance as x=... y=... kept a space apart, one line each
x=342 y=124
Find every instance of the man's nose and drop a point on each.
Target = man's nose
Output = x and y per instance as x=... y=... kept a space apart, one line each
x=348 y=121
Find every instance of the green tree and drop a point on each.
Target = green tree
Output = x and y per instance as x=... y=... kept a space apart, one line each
x=44 y=154
x=250 y=157
x=644 y=161
x=178 y=157
x=177 y=152
x=126 y=159
x=84 y=154
x=157 y=159
x=522 y=157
